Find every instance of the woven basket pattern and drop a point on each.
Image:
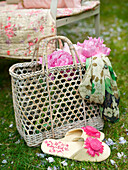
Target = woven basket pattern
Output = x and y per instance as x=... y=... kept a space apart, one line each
x=48 y=104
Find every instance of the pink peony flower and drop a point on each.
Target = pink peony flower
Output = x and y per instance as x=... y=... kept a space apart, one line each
x=93 y=146
x=94 y=47
x=91 y=131
x=58 y=58
x=89 y=48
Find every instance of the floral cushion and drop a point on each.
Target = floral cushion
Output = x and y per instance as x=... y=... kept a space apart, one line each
x=21 y=28
x=61 y=12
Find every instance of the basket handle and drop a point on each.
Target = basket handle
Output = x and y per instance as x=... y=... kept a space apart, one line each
x=65 y=39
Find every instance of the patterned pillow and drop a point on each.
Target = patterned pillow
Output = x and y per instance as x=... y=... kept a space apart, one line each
x=12 y=1
x=46 y=4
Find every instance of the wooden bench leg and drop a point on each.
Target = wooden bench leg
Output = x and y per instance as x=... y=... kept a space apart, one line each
x=97 y=25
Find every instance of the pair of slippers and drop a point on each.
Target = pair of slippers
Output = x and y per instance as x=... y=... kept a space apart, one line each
x=83 y=144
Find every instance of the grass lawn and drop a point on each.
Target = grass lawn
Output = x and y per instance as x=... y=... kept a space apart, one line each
x=15 y=154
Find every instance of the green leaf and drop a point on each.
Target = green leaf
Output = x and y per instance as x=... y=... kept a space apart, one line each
x=112 y=73
x=93 y=89
x=108 y=86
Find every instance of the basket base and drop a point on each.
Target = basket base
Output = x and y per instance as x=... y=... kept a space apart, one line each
x=59 y=132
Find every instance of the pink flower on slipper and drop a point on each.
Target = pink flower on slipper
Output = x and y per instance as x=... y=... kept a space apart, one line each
x=91 y=131
x=93 y=146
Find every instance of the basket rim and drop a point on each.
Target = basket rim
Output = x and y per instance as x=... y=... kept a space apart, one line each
x=28 y=75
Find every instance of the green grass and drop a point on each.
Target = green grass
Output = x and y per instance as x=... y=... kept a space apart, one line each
x=114 y=31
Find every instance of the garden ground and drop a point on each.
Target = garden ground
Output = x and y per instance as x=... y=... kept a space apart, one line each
x=15 y=154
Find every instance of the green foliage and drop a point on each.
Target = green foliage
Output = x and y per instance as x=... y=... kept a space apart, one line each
x=114 y=31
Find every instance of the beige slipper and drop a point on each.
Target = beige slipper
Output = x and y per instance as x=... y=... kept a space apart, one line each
x=89 y=150
x=83 y=132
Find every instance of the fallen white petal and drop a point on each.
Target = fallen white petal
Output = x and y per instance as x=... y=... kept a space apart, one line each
x=50 y=159
x=125 y=156
x=114 y=147
x=112 y=162
x=116 y=166
x=4 y=161
x=49 y=168
x=119 y=29
x=122 y=126
x=55 y=168
x=119 y=38
x=12 y=162
x=110 y=142
x=10 y=135
x=41 y=155
x=38 y=154
x=11 y=125
x=17 y=142
x=122 y=140
x=120 y=155
x=64 y=163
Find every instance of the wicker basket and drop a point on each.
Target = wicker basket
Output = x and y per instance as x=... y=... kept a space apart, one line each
x=47 y=102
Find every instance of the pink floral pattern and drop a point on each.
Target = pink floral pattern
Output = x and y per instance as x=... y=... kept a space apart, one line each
x=57 y=146
x=91 y=131
x=9 y=30
x=61 y=12
x=20 y=27
x=93 y=146
x=20 y=30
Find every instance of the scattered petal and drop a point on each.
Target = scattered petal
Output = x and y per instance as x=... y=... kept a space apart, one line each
x=54 y=168
x=122 y=140
x=50 y=159
x=49 y=168
x=116 y=166
x=124 y=49
x=4 y=161
x=114 y=147
x=12 y=162
x=125 y=156
x=17 y=142
x=38 y=154
x=110 y=142
x=119 y=155
x=11 y=125
x=41 y=155
x=64 y=163
x=112 y=162
x=122 y=126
